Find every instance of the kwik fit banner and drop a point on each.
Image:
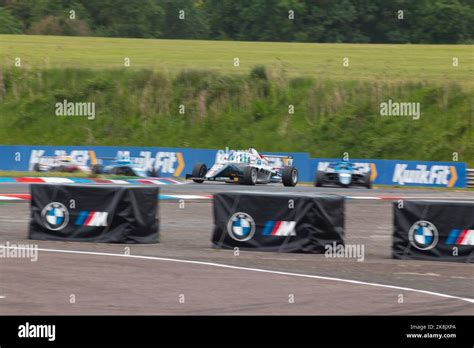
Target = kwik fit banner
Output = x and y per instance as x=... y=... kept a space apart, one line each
x=93 y=213
x=278 y=222
x=166 y=161
x=180 y=161
x=432 y=230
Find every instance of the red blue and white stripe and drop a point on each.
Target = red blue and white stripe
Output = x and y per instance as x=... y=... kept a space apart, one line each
x=27 y=197
x=459 y=236
x=55 y=180
x=279 y=228
x=92 y=218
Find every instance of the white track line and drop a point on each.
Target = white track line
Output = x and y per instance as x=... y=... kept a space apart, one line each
x=7 y=198
x=470 y=300
x=52 y=180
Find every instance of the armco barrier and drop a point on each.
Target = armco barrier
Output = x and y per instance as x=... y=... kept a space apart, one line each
x=180 y=161
x=434 y=230
x=278 y=222
x=85 y=213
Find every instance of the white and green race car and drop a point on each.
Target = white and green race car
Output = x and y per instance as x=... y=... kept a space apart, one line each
x=247 y=167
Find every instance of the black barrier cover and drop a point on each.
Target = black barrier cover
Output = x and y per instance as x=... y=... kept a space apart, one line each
x=434 y=230
x=93 y=213
x=277 y=222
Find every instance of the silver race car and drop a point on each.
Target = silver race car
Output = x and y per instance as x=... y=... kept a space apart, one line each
x=247 y=167
x=60 y=163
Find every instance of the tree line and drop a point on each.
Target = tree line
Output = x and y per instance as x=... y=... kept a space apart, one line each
x=349 y=21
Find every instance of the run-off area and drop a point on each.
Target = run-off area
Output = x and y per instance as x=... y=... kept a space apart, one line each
x=70 y=283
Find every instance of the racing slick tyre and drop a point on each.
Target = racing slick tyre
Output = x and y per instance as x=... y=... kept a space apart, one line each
x=36 y=167
x=153 y=173
x=250 y=176
x=367 y=181
x=97 y=169
x=125 y=171
x=199 y=171
x=319 y=180
x=59 y=169
x=289 y=176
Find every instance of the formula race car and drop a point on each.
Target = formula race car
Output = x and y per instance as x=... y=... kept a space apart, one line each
x=247 y=167
x=124 y=165
x=65 y=164
x=343 y=174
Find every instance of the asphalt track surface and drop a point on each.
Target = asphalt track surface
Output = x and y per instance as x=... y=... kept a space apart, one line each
x=183 y=274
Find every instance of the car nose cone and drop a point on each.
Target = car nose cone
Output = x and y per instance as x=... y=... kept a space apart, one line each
x=345 y=178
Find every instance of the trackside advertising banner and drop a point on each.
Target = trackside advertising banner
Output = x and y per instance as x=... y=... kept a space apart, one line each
x=93 y=213
x=278 y=222
x=429 y=230
x=180 y=161
x=166 y=161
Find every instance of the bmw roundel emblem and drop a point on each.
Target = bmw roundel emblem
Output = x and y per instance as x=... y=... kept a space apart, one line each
x=241 y=227
x=423 y=235
x=55 y=216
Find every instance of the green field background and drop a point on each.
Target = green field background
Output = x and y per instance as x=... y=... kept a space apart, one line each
x=336 y=108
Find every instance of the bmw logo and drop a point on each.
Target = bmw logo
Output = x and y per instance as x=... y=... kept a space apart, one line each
x=55 y=216
x=423 y=235
x=241 y=227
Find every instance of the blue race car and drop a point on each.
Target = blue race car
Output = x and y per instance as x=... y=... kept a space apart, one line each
x=125 y=165
x=343 y=174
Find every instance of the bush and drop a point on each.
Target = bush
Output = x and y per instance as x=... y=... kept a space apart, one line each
x=52 y=25
x=259 y=72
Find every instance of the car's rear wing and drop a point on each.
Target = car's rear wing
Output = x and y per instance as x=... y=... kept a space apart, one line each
x=279 y=160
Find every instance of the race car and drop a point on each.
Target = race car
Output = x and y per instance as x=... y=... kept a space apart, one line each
x=62 y=163
x=125 y=165
x=247 y=167
x=343 y=174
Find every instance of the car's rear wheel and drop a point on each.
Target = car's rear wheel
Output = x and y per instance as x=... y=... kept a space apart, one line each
x=367 y=181
x=199 y=171
x=60 y=169
x=250 y=176
x=289 y=176
x=319 y=180
x=125 y=171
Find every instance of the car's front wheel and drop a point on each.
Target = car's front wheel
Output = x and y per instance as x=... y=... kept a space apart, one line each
x=319 y=180
x=125 y=171
x=199 y=171
x=250 y=176
x=97 y=169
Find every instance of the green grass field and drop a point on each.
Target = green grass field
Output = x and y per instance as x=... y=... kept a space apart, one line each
x=336 y=108
x=397 y=63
